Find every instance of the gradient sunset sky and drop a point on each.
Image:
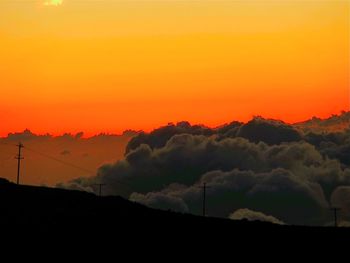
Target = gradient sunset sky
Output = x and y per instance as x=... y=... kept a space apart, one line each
x=111 y=65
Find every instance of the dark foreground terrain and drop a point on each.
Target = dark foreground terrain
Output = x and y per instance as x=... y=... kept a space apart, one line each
x=39 y=211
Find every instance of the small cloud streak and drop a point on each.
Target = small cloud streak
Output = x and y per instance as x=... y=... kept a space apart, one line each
x=53 y=2
x=254 y=216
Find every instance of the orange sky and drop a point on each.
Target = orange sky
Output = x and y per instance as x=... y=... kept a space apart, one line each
x=107 y=66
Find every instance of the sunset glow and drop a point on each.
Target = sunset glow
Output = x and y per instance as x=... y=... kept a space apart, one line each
x=53 y=2
x=107 y=66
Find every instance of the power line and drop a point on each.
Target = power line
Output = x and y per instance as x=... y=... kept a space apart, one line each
x=73 y=165
x=8 y=155
x=19 y=158
x=61 y=161
x=8 y=158
x=6 y=143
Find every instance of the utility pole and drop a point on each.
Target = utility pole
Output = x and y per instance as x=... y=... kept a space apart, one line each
x=100 y=189
x=19 y=158
x=335 y=211
x=204 y=187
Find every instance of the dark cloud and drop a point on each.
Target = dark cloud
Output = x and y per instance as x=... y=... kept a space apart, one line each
x=264 y=165
x=256 y=130
x=228 y=130
x=340 y=152
x=159 y=137
x=279 y=193
x=26 y=135
x=79 y=135
x=341 y=199
x=291 y=181
x=268 y=131
x=183 y=160
x=186 y=157
x=131 y=133
x=335 y=145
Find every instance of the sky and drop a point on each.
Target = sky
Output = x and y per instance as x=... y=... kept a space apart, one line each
x=49 y=160
x=112 y=65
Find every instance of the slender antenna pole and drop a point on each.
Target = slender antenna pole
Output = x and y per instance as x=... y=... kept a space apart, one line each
x=204 y=187
x=100 y=189
x=19 y=158
x=335 y=211
x=204 y=190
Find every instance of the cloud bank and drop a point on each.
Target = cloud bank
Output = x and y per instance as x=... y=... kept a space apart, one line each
x=280 y=170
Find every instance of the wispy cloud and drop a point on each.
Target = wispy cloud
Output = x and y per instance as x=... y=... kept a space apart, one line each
x=53 y=2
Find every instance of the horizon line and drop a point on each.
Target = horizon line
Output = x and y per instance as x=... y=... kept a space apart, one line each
x=88 y=135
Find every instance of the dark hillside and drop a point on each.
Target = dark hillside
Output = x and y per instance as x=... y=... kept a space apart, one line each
x=41 y=210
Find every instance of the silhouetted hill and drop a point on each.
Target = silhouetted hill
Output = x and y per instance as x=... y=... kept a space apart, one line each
x=41 y=210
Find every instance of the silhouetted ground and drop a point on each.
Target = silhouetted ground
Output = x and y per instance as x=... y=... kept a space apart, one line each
x=28 y=210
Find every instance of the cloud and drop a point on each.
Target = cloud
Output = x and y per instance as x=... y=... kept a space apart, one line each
x=161 y=200
x=182 y=160
x=278 y=193
x=332 y=124
x=75 y=186
x=256 y=130
x=159 y=137
x=253 y=216
x=268 y=131
x=26 y=135
x=185 y=158
x=53 y=2
x=79 y=135
x=341 y=199
x=264 y=165
x=291 y=181
x=344 y=224
x=335 y=145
